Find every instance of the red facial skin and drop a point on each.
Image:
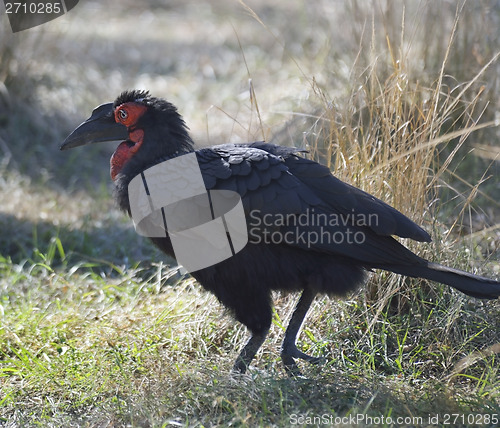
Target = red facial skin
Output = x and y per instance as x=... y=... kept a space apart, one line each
x=127 y=114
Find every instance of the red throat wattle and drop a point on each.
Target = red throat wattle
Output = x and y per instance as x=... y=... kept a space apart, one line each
x=125 y=151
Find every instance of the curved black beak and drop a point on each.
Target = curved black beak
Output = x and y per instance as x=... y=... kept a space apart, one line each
x=100 y=126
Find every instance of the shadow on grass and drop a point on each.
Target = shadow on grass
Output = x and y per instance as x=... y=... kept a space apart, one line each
x=30 y=145
x=208 y=399
x=106 y=245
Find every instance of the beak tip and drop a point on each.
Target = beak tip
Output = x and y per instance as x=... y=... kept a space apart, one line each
x=67 y=144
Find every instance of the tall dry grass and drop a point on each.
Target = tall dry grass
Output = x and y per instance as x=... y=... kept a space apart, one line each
x=399 y=127
x=419 y=94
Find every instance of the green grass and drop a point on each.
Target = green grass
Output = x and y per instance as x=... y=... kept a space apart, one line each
x=79 y=348
x=99 y=329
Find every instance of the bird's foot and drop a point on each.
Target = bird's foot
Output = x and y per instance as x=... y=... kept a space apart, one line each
x=288 y=356
x=240 y=366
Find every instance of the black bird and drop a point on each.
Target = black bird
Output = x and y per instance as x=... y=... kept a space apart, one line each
x=308 y=231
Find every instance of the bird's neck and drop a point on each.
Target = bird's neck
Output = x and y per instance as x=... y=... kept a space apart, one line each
x=136 y=166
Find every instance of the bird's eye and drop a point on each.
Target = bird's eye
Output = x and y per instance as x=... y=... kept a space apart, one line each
x=122 y=114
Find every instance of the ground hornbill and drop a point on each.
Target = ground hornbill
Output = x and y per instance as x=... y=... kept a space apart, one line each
x=276 y=186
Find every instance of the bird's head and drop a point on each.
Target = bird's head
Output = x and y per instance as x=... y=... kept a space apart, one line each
x=151 y=129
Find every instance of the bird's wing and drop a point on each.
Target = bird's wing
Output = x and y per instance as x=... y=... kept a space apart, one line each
x=262 y=179
x=277 y=186
x=348 y=199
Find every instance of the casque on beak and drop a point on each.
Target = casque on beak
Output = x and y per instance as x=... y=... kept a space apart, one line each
x=99 y=127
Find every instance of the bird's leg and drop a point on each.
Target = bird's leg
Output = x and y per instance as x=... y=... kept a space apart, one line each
x=248 y=352
x=289 y=349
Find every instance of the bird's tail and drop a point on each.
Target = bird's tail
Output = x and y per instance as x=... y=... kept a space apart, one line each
x=468 y=283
